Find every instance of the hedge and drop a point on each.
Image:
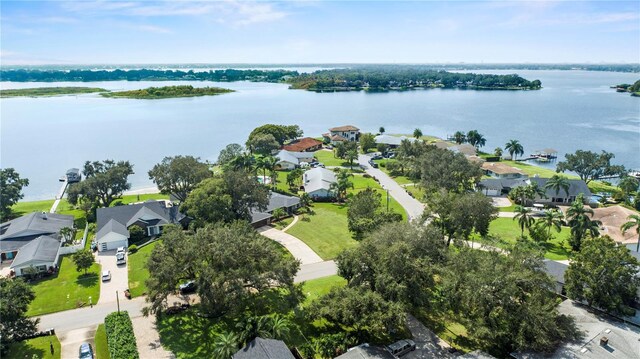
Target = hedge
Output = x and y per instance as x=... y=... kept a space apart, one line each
x=120 y=338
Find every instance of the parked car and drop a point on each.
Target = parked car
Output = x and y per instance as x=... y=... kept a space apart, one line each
x=376 y=157
x=188 y=287
x=177 y=308
x=121 y=250
x=373 y=164
x=401 y=347
x=106 y=275
x=120 y=258
x=85 y=351
x=320 y=164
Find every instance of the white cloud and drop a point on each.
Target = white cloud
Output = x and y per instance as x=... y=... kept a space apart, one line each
x=153 y=28
x=233 y=12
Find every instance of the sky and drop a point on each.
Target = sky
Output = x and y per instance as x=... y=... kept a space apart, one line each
x=130 y=32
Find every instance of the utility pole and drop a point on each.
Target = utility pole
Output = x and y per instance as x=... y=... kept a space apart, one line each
x=388 y=199
x=118 y=300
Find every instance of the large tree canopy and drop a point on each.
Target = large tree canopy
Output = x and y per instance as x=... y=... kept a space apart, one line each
x=231 y=264
x=365 y=215
x=441 y=168
x=179 y=175
x=15 y=296
x=506 y=300
x=590 y=165
x=398 y=261
x=230 y=152
x=10 y=190
x=281 y=133
x=104 y=182
x=226 y=197
x=604 y=275
x=263 y=144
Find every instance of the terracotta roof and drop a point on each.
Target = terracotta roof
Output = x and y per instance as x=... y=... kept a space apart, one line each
x=344 y=128
x=501 y=168
x=338 y=138
x=302 y=144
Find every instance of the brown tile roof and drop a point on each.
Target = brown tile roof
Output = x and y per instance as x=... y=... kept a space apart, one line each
x=302 y=144
x=500 y=168
x=338 y=138
x=344 y=128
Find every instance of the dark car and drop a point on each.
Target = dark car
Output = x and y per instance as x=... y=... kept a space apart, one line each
x=177 y=308
x=85 y=352
x=188 y=287
x=373 y=164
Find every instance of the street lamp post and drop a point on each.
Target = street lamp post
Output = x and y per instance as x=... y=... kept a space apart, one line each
x=388 y=199
x=90 y=303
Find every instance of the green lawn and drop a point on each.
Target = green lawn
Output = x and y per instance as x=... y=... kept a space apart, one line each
x=508 y=230
x=325 y=231
x=34 y=348
x=448 y=330
x=382 y=165
x=327 y=158
x=101 y=347
x=22 y=208
x=281 y=224
x=138 y=272
x=133 y=198
x=68 y=289
x=316 y=288
x=360 y=183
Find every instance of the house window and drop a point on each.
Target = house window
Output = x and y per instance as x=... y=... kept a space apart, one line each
x=153 y=230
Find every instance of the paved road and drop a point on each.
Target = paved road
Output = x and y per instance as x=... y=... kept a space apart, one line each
x=298 y=248
x=412 y=206
x=316 y=270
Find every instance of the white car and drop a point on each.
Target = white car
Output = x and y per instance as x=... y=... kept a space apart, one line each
x=106 y=275
x=120 y=258
x=120 y=250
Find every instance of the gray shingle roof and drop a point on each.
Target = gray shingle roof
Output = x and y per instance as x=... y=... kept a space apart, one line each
x=556 y=270
x=264 y=349
x=318 y=178
x=41 y=249
x=576 y=187
x=127 y=215
x=278 y=200
x=35 y=223
x=366 y=352
x=259 y=216
x=113 y=226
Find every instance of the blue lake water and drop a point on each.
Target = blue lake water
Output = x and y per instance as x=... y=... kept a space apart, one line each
x=42 y=137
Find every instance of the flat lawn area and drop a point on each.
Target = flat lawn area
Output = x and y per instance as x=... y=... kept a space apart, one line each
x=133 y=198
x=101 y=347
x=382 y=165
x=282 y=223
x=138 y=272
x=417 y=192
x=325 y=231
x=282 y=183
x=533 y=170
x=448 y=329
x=190 y=336
x=507 y=229
x=68 y=289
x=327 y=158
x=35 y=348
x=22 y=208
x=360 y=183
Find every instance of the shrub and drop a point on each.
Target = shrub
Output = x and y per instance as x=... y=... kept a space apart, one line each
x=136 y=233
x=133 y=248
x=120 y=338
x=366 y=175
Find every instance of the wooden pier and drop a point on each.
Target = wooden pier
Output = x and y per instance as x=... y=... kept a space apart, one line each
x=54 y=207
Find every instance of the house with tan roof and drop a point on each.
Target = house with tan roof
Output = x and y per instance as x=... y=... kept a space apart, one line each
x=306 y=144
x=501 y=170
x=342 y=134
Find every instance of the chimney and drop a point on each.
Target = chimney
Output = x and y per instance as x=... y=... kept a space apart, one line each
x=604 y=341
x=44 y=215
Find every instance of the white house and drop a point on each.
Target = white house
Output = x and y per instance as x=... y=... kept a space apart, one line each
x=289 y=160
x=391 y=141
x=342 y=133
x=38 y=255
x=317 y=182
x=113 y=223
x=501 y=170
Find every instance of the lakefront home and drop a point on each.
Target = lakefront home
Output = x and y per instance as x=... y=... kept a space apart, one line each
x=501 y=170
x=37 y=256
x=113 y=223
x=17 y=233
x=289 y=160
x=317 y=183
x=391 y=141
x=306 y=144
x=346 y=133
x=289 y=204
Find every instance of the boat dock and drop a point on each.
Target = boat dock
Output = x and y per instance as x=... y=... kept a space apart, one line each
x=54 y=207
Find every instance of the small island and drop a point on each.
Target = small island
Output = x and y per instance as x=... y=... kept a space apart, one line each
x=153 y=93
x=633 y=89
x=49 y=91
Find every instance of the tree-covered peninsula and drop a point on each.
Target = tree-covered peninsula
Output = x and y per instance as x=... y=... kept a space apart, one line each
x=372 y=78
x=153 y=93
x=634 y=89
x=49 y=91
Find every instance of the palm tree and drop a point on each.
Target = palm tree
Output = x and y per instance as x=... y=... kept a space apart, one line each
x=514 y=148
x=518 y=195
x=498 y=151
x=381 y=130
x=634 y=221
x=558 y=182
x=459 y=137
x=342 y=184
x=225 y=345
x=278 y=327
x=580 y=222
x=417 y=133
x=551 y=219
x=351 y=155
x=524 y=217
x=66 y=233
x=266 y=164
x=278 y=213
x=475 y=139
x=532 y=190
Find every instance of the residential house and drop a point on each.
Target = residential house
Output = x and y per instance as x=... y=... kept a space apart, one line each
x=260 y=348
x=113 y=223
x=17 y=233
x=73 y=175
x=391 y=141
x=306 y=144
x=501 y=170
x=38 y=255
x=289 y=160
x=501 y=186
x=603 y=337
x=366 y=351
x=556 y=271
x=276 y=200
x=342 y=133
x=317 y=183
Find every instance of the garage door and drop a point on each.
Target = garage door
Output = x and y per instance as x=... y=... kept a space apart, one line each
x=115 y=244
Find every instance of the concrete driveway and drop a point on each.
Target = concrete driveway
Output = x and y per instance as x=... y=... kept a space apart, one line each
x=70 y=341
x=119 y=277
x=148 y=339
x=298 y=248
